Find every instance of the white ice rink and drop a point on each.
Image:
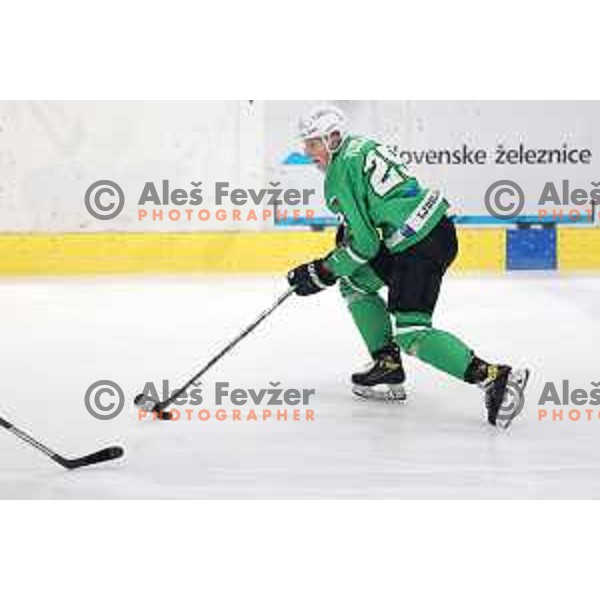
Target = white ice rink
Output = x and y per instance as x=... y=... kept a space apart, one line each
x=61 y=335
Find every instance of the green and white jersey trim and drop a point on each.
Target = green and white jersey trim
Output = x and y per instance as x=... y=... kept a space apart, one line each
x=427 y=214
x=354 y=256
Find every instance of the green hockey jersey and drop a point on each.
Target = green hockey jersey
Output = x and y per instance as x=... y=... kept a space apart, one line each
x=378 y=200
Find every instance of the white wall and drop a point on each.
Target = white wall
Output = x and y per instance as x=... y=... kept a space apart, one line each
x=50 y=152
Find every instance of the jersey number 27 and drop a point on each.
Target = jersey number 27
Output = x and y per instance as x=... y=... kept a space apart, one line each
x=385 y=175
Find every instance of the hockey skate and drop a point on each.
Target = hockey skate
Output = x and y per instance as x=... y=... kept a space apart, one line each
x=504 y=394
x=384 y=378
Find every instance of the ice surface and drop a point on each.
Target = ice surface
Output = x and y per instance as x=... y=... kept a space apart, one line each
x=60 y=335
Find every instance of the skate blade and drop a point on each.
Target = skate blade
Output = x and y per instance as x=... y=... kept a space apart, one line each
x=382 y=392
x=514 y=397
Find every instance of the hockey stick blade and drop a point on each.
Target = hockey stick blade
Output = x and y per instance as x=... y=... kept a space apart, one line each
x=143 y=402
x=151 y=406
x=112 y=453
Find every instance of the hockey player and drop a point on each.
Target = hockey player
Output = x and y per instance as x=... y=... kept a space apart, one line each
x=395 y=233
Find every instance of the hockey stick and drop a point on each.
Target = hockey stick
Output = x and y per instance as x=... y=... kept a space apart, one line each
x=111 y=453
x=150 y=405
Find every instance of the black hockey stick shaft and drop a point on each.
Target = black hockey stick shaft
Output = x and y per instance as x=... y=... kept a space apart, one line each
x=84 y=461
x=263 y=315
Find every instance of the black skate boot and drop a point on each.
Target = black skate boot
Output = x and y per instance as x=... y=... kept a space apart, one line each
x=504 y=390
x=384 y=378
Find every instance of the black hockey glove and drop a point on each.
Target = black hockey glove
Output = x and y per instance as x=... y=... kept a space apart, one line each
x=310 y=278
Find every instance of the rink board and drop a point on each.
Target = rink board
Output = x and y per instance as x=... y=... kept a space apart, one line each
x=481 y=250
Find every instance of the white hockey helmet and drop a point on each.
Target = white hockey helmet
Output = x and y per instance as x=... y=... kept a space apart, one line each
x=321 y=122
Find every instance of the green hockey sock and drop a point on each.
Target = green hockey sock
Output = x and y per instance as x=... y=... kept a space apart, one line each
x=372 y=320
x=438 y=348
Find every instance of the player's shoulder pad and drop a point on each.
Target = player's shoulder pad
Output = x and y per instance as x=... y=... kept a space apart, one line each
x=353 y=154
x=356 y=147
